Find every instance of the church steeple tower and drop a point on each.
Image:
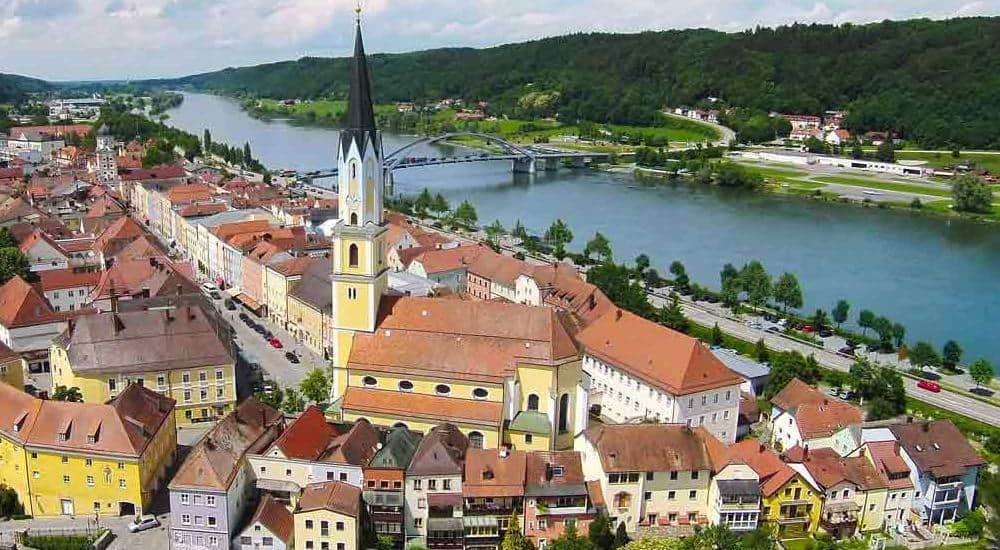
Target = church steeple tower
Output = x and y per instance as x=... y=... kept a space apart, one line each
x=359 y=264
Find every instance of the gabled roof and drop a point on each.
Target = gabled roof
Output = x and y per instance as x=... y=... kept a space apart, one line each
x=774 y=473
x=435 y=260
x=467 y=340
x=937 y=447
x=314 y=288
x=335 y=496
x=39 y=236
x=21 y=305
x=885 y=456
x=294 y=267
x=441 y=452
x=274 y=517
x=816 y=414
x=123 y=229
x=400 y=445
x=489 y=473
x=58 y=279
x=431 y=407
x=130 y=277
x=216 y=459
x=554 y=473
x=829 y=469
x=664 y=358
x=141 y=249
x=104 y=206
x=124 y=426
x=656 y=448
x=162 y=172
x=310 y=437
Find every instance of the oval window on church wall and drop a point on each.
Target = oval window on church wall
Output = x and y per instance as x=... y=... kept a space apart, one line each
x=369 y=381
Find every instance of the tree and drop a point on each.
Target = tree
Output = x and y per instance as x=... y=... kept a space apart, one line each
x=681 y=279
x=599 y=532
x=10 y=506
x=672 y=315
x=494 y=231
x=514 y=538
x=570 y=540
x=519 y=231
x=62 y=393
x=272 y=398
x=13 y=262
x=840 y=312
x=207 y=140
x=621 y=536
x=717 y=337
x=440 y=204
x=881 y=388
x=820 y=320
x=558 y=234
x=886 y=151
x=787 y=291
x=384 y=542
x=600 y=246
x=883 y=327
x=951 y=354
x=641 y=263
x=760 y=351
x=6 y=239
x=866 y=320
x=423 y=202
x=924 y=354
x=616 y=282
x=758 y=539
x=971 y=194
x=466 y=214
x=651 y=542
x=898 y=334
x=981 y=372
x=788 y=365
x=293 y=402
x=651 y=278
x=856 y=151
x=156 y=156
x=713 y=537
x=315 y=386
x=756 y=283
x=728 y=273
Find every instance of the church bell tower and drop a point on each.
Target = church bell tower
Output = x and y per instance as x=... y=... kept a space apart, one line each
x=359 y=249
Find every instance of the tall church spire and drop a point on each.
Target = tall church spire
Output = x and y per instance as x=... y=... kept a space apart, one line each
x=360 y=112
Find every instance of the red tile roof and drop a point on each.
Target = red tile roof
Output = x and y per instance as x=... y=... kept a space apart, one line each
x=656 y=448
x=937 y=447
x=21 y=305
x=450 y=259
x=442 y=409
x=816 y=413
x=275 y=518
x=118 y=234
x=773 y=471
x=335 y=496
x=164 y=172
x=661 y=357
x=830 y=470
x=58 y=279
x=307 y=437
x=488 y=474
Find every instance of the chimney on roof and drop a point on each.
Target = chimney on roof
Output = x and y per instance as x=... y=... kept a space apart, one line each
x=180 y=289
x=145 y=292
x=762 y=448
x=927 y=426
x=805 y=451
x=618 y=314
x=114 y=300
x=152 y=262
x=592 y=301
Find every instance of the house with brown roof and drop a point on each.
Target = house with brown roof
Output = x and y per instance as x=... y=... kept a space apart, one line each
x=107 y=459
x=133 y=279
x=492 y=490
x=854 y=493
x=944 y=469
x=886 y=457
x=639 y=369
x=791 y=500
x=502 y=373
x=656 y=478
x=271 y=526
x=448 y=267
x=329 y=516
x=310 y=309
x=433 y=494
x=213 y=488
x=67 y=289
x=43 y=252
x=314 y=449
x=27 y=321
x=802 y=415
x=174 y=349
x=556 y=495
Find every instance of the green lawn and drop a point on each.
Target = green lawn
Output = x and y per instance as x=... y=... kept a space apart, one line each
x=885 y=185
x=943 y=159
x=797 y=544
x=320 y=109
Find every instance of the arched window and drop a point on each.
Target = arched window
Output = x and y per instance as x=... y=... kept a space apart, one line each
x=354 y=218
x=563 y=413
x=354 y=169
x=369 y=381
x=352 y=255
x=400 y=425
x=532 y=402
x=405 y=385
x=476 y=440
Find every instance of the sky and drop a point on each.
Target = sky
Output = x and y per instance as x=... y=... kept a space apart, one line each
x=133 y=39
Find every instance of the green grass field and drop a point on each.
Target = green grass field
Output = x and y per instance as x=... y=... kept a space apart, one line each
x=943 y=159
x=885 y=185
x=320 y=109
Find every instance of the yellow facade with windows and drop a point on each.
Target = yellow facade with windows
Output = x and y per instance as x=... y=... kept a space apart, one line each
x=308 y=325
x=310 y=531
x=202 y=394
x=12 y=371
x=793 y=509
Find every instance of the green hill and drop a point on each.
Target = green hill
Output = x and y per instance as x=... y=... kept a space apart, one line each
x=14 y=87
x=935 y=82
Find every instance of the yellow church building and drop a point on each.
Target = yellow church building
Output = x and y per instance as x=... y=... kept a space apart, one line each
x=66 y=458
x=503 y=373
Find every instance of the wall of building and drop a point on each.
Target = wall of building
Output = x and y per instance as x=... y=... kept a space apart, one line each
x=314 y=539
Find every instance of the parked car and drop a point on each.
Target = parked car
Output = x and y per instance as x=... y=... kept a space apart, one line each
x=231 y=306
x=825 y=333
x=215 y=295
x=806 y=328
x=259 y=329
x=267 y=334
x=209 y=287
x=275 y=343
x=985 y=392
x=292 y=358
x=846 y=350
x=141 y=523
x=773 y=329
x=244 y=317
x=929 y=385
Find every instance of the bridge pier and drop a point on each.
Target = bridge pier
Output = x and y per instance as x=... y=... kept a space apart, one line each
x=524 y=165
x=579 y=162
x=388 y=182
x=552 y=164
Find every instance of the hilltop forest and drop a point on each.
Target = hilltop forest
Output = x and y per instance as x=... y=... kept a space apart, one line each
x=934 y=82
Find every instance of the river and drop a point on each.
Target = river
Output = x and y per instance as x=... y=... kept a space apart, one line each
x=937 y=277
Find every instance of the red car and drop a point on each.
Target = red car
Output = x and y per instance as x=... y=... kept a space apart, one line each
x=275 y=343
x=807 y=328
x=929 y=385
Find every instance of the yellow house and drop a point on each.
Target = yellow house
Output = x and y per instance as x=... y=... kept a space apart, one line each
x=854 y=494
x=174 y=351
x=327 y=517
x=67 y=458
x=310 y=308
x=11 y=367
x=279 y=280
x=790 y=499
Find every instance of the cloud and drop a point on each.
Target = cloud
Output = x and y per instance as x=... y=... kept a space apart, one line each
x=72 y=39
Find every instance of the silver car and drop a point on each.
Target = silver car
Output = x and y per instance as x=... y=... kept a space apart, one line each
x=141 y=523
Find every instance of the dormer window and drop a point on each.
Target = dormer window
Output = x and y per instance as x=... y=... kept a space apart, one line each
x=557 y=471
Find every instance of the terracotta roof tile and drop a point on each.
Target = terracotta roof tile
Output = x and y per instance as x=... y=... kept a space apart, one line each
x=442 y=409
x=450 y=259
x=307 y=436
x=937 y=446
x=653 y=447
x=816 y=414
x=295 y=267
x=275 y=518
x=542 y=467
x=829 y=470
x=58 y=279
x=773 y=471
x=669 y=360
x=335 y=496
x=21 y=305
x=441 y=452
x=488 y=474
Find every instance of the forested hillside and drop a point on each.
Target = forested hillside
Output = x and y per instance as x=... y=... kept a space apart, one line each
x=935 y=82
x=14 y=87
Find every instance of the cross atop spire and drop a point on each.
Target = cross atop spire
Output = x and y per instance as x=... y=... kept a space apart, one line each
x=360 y=111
